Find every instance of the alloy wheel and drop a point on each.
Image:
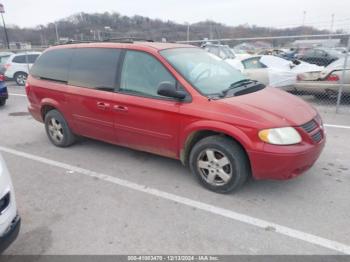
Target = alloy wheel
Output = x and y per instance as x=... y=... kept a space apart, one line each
x=214 y=167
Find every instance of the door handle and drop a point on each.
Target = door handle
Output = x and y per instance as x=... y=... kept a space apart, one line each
x=102 y=105
x=120 y=108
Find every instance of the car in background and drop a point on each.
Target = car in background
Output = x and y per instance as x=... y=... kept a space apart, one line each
x=225 y=53
x=288 y=54
x=319 y=56
x=17 y=66
x=327 y=82
x=3 y=91
x=3 y=57
x=275 y=71
x=10 y=221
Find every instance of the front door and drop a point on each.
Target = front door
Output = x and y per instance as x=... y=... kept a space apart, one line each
x=145 y=120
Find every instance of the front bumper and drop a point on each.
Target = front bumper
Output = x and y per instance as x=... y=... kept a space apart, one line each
x=10 y=234
x=291 y=163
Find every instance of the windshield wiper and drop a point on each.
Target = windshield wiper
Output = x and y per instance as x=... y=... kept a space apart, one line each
x=239 y=84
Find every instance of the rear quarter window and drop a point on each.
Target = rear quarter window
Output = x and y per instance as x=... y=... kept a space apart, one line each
x=23 y=59
x=53 y=65
x=94 y=68
x=20 y=59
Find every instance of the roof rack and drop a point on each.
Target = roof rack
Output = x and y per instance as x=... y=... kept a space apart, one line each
x=127 y=39
x=116 y=40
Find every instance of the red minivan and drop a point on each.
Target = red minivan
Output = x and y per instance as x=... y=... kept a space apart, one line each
x=177 y=101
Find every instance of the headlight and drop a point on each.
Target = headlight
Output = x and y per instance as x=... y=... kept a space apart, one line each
x=280 y=136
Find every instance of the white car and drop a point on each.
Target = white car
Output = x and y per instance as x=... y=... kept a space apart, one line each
x=225 y=53
x=275 y=71
x=17 y=66
x=326 y=83
x=10 y=221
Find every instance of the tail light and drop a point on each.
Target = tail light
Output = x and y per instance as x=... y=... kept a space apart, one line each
x=2 y=78
x=300 y=77
x=6 y=66
x=332 y=77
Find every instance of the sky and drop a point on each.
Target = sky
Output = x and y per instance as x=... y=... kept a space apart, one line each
x=270 y=13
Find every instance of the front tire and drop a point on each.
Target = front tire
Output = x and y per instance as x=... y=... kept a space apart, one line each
x=21 y=78
x=57 y=129
x=220 y=164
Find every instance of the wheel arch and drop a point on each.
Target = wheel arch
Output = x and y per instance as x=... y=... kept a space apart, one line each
x=48 y=105
x=204 y=129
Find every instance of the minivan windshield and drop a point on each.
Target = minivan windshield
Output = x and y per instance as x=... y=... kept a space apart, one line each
x=209 y=74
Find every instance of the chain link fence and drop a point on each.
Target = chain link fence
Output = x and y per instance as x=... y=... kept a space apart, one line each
x=314 y=68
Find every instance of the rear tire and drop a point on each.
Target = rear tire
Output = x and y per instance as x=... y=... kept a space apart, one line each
x=57 y=129
x=21 y=78
x=2 y=102
x=220 y=164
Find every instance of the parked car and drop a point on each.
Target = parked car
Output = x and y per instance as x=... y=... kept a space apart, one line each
x=225 y=53
x=17 y=66
x=319 y=56
x=288 y=54
x=177 y=101
x=3 y=91
x=10 y=221
x=3 y=57
x=275 y=71
x=326 y=82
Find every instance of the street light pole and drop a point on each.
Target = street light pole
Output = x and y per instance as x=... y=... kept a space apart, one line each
x=2 y=11
x=188 y=31
x=57 y=36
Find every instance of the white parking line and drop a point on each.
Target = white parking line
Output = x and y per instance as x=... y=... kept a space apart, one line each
x=337 y=126
x=13 y=94
x=313 y=239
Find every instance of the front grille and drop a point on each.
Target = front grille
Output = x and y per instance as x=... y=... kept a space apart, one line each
x=317 y=137
x=4 y=202
x=313 y=129
x=309 y=126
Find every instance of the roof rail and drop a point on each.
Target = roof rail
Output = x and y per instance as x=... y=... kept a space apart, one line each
x=117 y=40
x=75 y=42
x=127 y=39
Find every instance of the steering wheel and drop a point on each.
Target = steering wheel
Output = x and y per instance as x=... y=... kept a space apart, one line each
x=201 y=74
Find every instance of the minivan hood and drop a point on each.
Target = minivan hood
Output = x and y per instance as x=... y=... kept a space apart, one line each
x=271 y=107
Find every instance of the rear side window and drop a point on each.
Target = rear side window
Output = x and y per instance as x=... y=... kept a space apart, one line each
x=23 y=59
x=53 y=65
x=94 y=68
x=20 y=59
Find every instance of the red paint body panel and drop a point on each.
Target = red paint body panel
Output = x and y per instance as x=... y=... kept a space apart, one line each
x=162 y=126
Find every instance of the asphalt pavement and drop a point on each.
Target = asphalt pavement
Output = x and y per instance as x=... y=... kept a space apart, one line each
x=97 y=198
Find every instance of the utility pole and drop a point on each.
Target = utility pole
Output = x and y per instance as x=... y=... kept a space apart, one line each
x=303 y=24
x=2 y=11
x=332 y=26
x=304 y=17
x=57 y=36
x=188 y=31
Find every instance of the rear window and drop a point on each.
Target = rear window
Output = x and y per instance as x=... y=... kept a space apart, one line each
x=94 y=68
x=53 y=65
x=253 y=63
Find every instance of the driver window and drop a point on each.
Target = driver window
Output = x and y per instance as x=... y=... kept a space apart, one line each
x=142 y=74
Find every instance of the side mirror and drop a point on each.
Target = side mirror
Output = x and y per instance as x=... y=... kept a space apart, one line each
x=169 y=90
